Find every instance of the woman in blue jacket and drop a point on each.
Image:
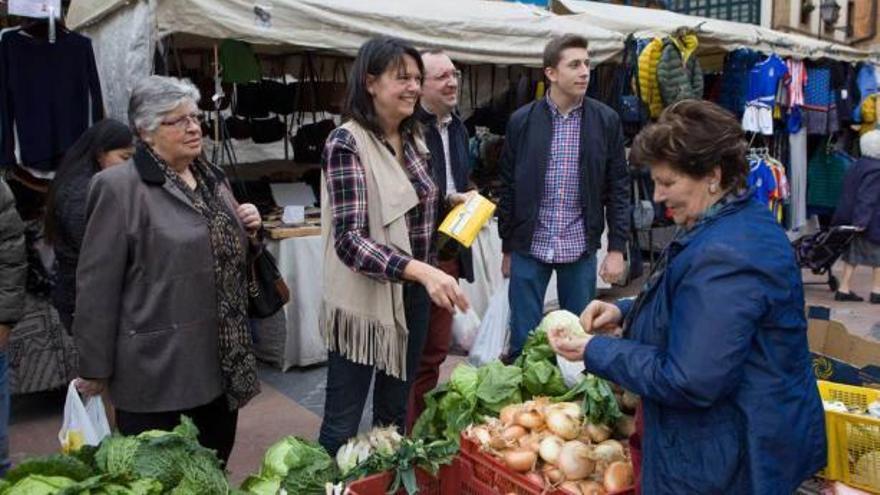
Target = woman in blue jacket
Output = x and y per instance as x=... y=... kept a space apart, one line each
x=716 y=343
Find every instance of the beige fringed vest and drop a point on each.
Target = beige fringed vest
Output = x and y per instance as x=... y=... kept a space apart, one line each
x=363 y=318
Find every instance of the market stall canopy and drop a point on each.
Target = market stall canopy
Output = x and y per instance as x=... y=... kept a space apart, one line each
x=471 y=31
x=713 y=33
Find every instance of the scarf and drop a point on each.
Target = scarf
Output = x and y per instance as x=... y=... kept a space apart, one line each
x=238 y=364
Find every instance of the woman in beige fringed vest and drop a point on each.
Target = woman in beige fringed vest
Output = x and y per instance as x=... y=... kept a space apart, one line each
x=378 y=211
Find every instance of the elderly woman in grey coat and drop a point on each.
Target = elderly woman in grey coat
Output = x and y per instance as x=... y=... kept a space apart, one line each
x=161 y=300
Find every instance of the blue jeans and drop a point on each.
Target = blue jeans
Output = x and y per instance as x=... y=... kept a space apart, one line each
x=575 y=283
x=4 y=414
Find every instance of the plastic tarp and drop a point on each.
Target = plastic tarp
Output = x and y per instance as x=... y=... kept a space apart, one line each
x=713 y=33
x=471 y=31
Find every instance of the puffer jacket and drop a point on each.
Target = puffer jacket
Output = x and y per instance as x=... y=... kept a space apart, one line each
x=678 y=80
x=13 y=260
x=649 y=59
x=868 y=114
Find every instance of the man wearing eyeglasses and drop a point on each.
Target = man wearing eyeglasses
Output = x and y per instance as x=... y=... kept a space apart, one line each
x=447 y=141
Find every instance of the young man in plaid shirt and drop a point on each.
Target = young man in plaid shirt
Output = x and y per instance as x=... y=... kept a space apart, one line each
x=564 y=174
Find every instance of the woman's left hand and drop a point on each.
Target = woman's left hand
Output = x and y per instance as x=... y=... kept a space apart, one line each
x=249 y=216
x=569 y=346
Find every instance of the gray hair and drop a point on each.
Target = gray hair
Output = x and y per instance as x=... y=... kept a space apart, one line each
x=155 y=96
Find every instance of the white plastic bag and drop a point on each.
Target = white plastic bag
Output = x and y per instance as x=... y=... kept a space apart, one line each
x=84 y=424
x=494 y=329
x=465 y=327
x=572 y=371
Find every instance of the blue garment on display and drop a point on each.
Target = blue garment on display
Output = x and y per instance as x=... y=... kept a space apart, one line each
x=735 y=79
x=764 y=80
x=761 y=180
x=866 y=80
x=817 y=92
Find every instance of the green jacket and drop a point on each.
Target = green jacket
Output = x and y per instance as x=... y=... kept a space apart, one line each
x=678 y=81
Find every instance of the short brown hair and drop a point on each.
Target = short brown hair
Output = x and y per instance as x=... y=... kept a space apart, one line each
x=553 y=50
x=693 y=137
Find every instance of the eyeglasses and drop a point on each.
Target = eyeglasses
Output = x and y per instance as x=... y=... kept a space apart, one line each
x=184 y=121
x=447 y=76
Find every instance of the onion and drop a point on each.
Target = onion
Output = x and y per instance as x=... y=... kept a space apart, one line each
x=629 y=400
x=570 y=487
x=591 y=488
x=532 y=441
x=549 y=449
x=509 y=412
x=481 y=434
x=536 y=478
x=563 y=424
x=552 y=473
x=571 y=408
x=520 y=460
x=625 y=426
x=609 y=451
x=598 y=433
x=513 y=433
x=574 y=460
x=618 y=476
x=531 y=420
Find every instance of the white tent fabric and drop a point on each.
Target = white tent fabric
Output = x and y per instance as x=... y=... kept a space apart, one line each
x=471 y=31
x=713 y=33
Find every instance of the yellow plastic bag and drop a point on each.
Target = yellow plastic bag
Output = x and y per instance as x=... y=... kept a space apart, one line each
x=464 y=222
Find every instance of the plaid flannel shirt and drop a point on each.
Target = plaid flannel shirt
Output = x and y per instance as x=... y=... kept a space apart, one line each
x=347 y=190
x=560 y=235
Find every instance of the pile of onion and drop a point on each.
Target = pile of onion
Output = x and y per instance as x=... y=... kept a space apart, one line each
x=552 y=445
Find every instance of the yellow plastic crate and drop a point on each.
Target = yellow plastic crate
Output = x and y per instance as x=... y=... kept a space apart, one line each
x=853 y=439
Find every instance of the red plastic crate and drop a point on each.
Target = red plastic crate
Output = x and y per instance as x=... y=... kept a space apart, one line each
x=378 y=483
x=493 y=475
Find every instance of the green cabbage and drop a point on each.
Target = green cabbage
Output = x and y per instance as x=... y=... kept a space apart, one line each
x=38 y=484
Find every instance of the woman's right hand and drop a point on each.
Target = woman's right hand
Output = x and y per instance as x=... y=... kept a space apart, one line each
x=90 y=387
x=601 y=317
x=442 y=288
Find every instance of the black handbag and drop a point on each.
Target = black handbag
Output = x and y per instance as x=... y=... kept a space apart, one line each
x=267 y=291
x=281 y=97
x=308 y=143
x=267 y=130
x=251 y=100
x=238 y=127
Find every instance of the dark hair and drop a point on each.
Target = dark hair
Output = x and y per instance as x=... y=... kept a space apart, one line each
x=374 y=58
x=693 y=137
x=555 y=47
x=82 y=158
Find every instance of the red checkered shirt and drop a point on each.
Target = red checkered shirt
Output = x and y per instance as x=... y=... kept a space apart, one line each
x=560 y=235
x=347 y=189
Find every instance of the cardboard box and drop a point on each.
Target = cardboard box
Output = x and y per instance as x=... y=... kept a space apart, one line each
x=839 y=356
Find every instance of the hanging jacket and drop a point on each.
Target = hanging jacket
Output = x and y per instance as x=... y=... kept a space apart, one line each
x=679 y=74
x=716 y=346
x=648 y=85
x=866 y=80
x=868 y=114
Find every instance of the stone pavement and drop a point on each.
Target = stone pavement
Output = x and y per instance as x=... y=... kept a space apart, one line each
x=292 y=402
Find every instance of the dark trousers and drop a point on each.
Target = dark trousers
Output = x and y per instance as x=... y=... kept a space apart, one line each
x=216 y=424
x=436 y=349
x=348 y=383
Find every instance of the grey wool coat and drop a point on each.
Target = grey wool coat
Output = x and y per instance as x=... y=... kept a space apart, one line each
x=146 y=304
